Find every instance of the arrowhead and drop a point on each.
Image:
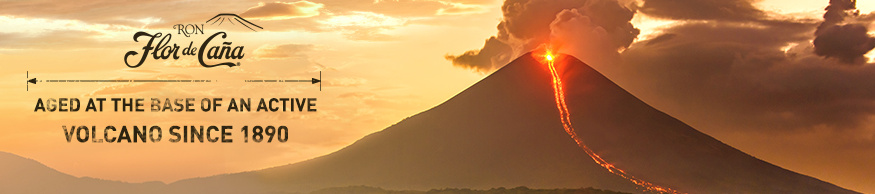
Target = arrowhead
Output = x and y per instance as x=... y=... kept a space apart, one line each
x=32 y=80
x=316 y=80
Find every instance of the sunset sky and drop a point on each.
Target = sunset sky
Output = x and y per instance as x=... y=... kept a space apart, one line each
x=744 y=72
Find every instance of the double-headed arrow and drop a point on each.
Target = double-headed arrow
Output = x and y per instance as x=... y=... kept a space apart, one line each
x=34 y=80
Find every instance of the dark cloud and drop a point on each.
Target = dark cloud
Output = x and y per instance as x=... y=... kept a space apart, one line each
x=746 y=77
x=527 y=24
x=845 y=42
x=283 y=10
x=493 y=55
x=836 y=12
x=848 y=43
x=613 y=18
x=742 y=70
x=736 y=10
x=739 y=81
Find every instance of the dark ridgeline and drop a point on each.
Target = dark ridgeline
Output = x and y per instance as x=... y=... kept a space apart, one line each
x=19 y=175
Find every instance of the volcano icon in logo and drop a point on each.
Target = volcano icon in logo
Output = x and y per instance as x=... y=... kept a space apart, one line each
x=231 y=18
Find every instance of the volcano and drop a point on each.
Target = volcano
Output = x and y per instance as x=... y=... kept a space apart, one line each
x=506 y=131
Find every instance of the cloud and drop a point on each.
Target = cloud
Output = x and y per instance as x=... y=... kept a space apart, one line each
x=368 y=26
x=734 y=10
x=308 y=15
x=355 y=20
x=345 y=82
x=527 y=25
x=373 y=100
x=493 y=55
x=29 y=33
x=573 y=32
x=847 y=43
x=357 y=95
x=392 y=8
x=56 y=40
x=109 y=12
x=363 y=19
x=763 y=75
x=754 y=77
x=317 y=67
x=369 y=34
x=282 y=10
x=461 y=9
x=285 y=51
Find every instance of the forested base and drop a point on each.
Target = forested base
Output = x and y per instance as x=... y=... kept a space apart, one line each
x=500 y=190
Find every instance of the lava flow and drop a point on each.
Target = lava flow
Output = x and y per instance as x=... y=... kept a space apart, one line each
x=565 y=117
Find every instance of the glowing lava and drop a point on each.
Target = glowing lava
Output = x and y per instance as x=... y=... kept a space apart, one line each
x=559 y=93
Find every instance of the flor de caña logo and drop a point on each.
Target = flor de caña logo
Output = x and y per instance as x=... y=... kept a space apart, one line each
x=163 y=50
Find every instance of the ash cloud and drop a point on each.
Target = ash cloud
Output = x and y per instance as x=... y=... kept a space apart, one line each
x=527 y=24
x=493 y=55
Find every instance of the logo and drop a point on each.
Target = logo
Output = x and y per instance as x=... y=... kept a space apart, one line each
x=163 y=50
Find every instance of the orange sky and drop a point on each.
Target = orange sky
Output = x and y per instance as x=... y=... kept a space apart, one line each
x=381 y=62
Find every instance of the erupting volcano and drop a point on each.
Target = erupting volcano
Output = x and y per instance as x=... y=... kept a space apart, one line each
x=503 y=132
x=559 y=92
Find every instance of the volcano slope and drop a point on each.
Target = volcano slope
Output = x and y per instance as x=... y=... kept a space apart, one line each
x=505 y=131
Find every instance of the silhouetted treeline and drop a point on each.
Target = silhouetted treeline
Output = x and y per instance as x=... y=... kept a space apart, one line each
x=500 y=190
